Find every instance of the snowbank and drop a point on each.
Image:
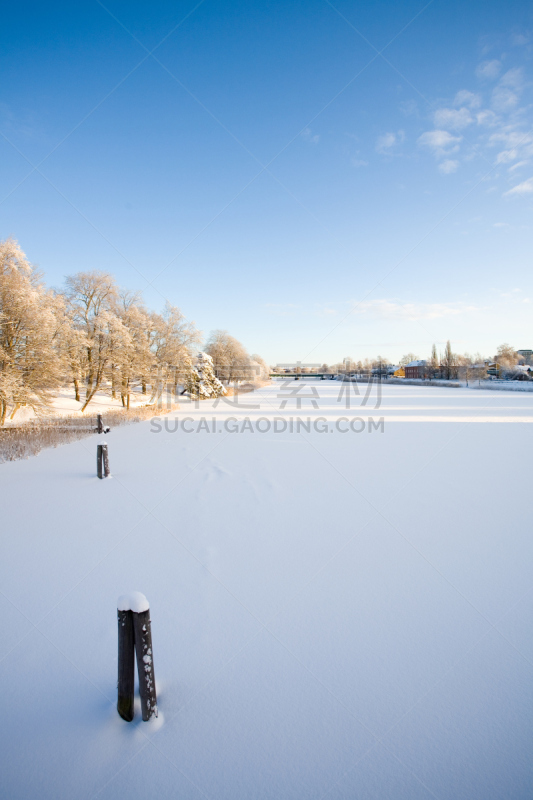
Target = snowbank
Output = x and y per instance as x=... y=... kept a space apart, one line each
x=420 y=382
x=505 y=386
x=334 y=615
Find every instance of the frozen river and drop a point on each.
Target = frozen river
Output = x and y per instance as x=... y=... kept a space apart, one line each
x=341 y=595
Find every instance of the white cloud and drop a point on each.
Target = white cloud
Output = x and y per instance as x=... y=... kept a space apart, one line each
x=488 y=118
x=452 y=118
x=518 y=165
x=390 y=309
x=441 y=142
x=506 y=156
x=522 y=188
x=506 y=94
x=511 y=139
x=308 y=134
x=489 y=69
x=520 y=39
x=359 y=162
x=385 y=143
x=513 y=77
x=448 y=166
x=504 y=99
x=501 y=225
x=408 y=107
x=466 y=98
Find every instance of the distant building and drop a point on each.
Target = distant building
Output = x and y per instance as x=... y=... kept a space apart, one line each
x=526 y=355
x=415 y=369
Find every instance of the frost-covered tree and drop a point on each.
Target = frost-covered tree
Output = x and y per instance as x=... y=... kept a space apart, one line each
x=230 y=359
x=201 y=382
x=133 y=362
x=433 y=362
x=173 y=340
x=259 y=368
x=449 y=362
x=506 y=356
x=30 y=360
x=92 y=298
x=406 y=359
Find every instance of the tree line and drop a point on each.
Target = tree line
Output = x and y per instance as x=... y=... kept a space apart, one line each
x=97 y=337
x=445 y=364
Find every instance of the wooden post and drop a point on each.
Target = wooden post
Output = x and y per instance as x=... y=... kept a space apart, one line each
x=145 y=663
x=99 y=424
x=135 y=633
x=99 y=461
x=126 y=665
x=105 y=459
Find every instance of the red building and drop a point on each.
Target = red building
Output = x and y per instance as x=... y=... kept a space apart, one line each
x=416 y=369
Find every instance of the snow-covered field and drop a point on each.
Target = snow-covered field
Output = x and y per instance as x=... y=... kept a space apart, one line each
x=65 y=405
x=334 y=615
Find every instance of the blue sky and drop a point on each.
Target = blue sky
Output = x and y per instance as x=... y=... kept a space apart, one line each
x=321 y=179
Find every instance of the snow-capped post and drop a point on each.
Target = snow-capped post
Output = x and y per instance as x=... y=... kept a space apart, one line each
x=102 y=461
x=126 y=664
x=135 y=607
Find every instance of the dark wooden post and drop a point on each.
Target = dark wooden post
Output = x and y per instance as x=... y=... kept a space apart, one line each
x=105 y=459
x=99 y=471
x=135 y=634
x=99 y=424
x=126 y=665
x=145 y=663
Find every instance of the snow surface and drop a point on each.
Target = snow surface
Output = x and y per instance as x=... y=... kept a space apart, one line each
x=65 y=405
x=333 y=615
x=134 y=601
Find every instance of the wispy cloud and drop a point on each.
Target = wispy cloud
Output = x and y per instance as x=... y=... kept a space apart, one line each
x=489 y=70
x=391 y=309
x=308 y=134
x=467 y=98
x=326 y=311
x=488 y=118
x=454 y=118
x=526 y=187
x=494 y=117
x=448 y=166
x=440 y=142
x=385 y=144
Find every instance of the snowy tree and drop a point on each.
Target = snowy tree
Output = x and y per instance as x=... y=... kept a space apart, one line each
x=132 y=363
x=449 y=362
x=173 y=339
x=260 y=370
x=30 y=361
x=201 y=381
x=506 y=356
x=230 y=359
x=92 y=297
x=404 y=360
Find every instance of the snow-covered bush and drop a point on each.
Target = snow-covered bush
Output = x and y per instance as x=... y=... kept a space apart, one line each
x=201 y=381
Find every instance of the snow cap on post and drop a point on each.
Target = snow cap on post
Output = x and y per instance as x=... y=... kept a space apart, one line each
x=134 y=601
